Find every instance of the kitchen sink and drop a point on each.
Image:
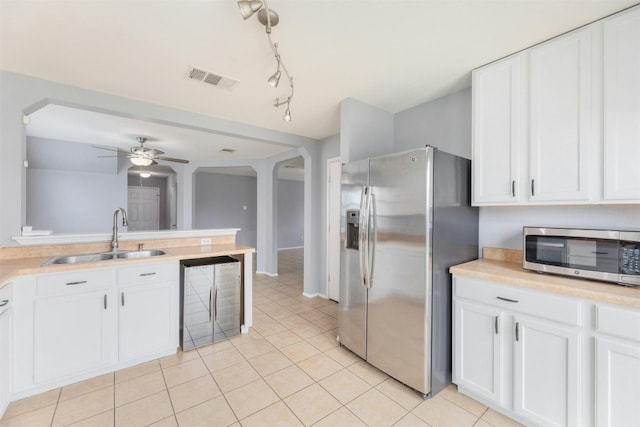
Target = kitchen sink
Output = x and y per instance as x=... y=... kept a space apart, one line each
x=104 y=256
x=140 y=254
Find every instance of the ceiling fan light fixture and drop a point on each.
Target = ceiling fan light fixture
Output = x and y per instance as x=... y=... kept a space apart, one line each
x=141 y=161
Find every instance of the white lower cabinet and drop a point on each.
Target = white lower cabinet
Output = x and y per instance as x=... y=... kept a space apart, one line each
x=6 y=344
x=545 y=372
x=479 y=356
x=77 y=324
x=144 y=322
x=518 y=351
x=73 y=334
x=617 y=366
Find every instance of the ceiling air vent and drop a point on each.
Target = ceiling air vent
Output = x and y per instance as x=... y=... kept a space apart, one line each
x=227 y=150
x=203 y=76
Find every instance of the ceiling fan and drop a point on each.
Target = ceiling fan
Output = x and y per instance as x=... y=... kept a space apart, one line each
x=140 y=155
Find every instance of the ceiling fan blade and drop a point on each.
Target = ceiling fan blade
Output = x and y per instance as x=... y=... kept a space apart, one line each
x=171 y=159
x=111 y=149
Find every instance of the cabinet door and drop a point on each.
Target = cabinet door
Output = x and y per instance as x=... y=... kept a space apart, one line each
x=6 y=338
x=73 y=334
x=622 y=106
x=147 y=320
x=497 y=132
x=545 y=368
x=560 y=118
x=617 y=383
x=478 y=363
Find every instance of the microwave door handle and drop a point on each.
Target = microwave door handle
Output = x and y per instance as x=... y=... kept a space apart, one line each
x=362 y=237
x=551 y=245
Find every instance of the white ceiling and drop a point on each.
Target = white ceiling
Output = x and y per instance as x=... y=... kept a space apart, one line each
x=393 y=54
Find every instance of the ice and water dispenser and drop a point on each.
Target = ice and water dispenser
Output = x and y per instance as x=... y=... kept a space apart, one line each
x=353 y=219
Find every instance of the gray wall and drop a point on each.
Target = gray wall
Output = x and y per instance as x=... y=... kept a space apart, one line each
x=219 y=200
x=56 y=200
x=365 y=131
x=444 y=123
x=290 y=214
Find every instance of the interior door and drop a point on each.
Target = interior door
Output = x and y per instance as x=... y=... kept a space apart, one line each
x=333 y=229
x=143 y=208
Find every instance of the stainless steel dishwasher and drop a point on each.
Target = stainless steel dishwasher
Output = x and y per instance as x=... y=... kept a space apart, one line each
x=210 y=300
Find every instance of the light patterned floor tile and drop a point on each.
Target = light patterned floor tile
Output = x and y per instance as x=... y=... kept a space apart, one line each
x=323 y=341
x=376 y=409
x=212 y=413
x=183 y=372
x=37 y=418
x=289 y=380
x=192 y=393
x=400 y=393
x=251 y=398
x=255 y=348
x=270 y=362
x=343 y=356
x=300 y=351
x=139 y=387
x=411 y=420
x=137 y=371
x=86 y=386
x=368 y=373
x=320 y=366
x=439 y=412
x=214 y=348
x=275 y=415
x=496 y=419
x=105 y=419
x=451 y=393
x=340 y=418
x=283 y=339
x=223 y=359
x=32 y=403
x=323 y=404
x=144 y=411
x=84 y=406
x=345 y=386
x=235 y=376
x=178 y=358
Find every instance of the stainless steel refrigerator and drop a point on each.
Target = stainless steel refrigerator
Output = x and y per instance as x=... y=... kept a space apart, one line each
x=406 y=218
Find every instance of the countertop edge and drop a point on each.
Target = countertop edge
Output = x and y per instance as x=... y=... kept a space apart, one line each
x=172 y=254
x=513 y=274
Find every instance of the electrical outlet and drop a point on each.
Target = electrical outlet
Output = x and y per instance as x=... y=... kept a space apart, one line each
x=205 y=242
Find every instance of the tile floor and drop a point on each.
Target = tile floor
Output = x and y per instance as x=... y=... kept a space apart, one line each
x=288 y=371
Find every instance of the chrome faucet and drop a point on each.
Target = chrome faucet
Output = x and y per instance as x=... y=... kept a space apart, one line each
x=125 y=222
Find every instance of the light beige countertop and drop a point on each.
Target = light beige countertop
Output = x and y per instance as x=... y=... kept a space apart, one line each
x=512 y=273
x=11 y=268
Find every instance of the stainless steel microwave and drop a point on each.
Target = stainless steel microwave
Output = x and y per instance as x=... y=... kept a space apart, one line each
x=597 y=254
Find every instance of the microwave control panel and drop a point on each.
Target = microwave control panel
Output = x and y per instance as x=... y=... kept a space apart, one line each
x=630 y=259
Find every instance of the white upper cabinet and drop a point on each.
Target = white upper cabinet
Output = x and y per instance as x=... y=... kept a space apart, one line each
x=497 y=131
x=621 y=35
x=560 y=118
x=559 y=123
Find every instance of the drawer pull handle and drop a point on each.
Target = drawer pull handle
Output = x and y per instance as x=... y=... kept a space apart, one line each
x=147 y=274
x=513 y=188
x=533 y=187
x=105 y=301
x=517 y=333
x=122 y=298
x=4 y=302
x=495 y=324
x=507 y=299
x=80 y=282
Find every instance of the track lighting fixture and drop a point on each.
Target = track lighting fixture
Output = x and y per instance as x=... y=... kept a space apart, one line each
x=270 y=18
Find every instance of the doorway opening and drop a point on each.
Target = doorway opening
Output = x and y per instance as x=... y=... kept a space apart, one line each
x=152 y=198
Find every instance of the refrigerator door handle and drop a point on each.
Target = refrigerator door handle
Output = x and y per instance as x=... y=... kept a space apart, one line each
x=371 y=234
x=363 y=224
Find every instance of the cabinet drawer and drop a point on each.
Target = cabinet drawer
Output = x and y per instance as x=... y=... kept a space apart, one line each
x=618 y=321
x=71 y=282
x=548 y=306
x=148 y=273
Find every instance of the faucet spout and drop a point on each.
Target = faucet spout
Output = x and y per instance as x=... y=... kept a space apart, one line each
x=125 y=222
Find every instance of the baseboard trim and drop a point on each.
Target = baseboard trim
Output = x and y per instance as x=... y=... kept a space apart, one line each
x=267 y=274
x=292 y=247
x=317 y=294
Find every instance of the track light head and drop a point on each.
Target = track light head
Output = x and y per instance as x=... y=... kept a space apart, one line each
x=287 y=114
x=248 y=8
x=274 y=79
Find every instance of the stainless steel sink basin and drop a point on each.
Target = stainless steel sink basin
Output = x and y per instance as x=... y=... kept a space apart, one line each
x=140 y=254
x=104 y=256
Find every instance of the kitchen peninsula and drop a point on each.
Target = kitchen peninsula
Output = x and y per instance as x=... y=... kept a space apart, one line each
x=75 y=321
